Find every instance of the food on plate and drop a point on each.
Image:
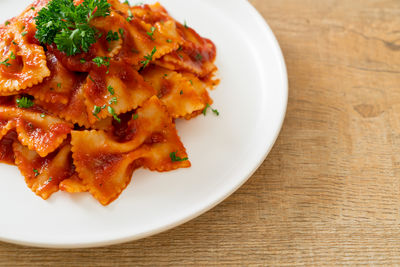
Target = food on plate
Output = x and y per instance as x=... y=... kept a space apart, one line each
x=90 y=91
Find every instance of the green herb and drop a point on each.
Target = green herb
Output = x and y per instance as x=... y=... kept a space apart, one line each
x=165 y=75
x=175 y=158
x=111 y=90
x=191 y=82
x=24 y=33
x=7 y=23
x=51 y=178
x=135 y=116
x=126 y=2
x=24 y=102
x=185 y=24
x=90 y=77
x=33 y=8
x=169 y=41
x=23 y=27
x=5 y=62
x=216 y=112
x=96 y=111
x=68 y=26
x=14 y=43
x=199 y=57
x=113 y=101
x=148 y=58
x=112 y=36
x=42 y=115
x=102 y=61
x=180 y=55
x=179 y=48
x=59 y=85
x=83 y=61
x=36 y=172
x=181 y=92
x=112 y=112
x=12 y=56
x=121 y=32
x=151 y=33
x=130 y=17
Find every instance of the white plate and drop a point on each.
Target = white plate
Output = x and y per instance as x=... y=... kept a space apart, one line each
x=225 y=151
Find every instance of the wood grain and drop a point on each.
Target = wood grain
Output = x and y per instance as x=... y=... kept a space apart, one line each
x=329 y=192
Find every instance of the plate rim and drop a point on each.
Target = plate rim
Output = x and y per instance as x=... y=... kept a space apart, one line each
x=267 y=31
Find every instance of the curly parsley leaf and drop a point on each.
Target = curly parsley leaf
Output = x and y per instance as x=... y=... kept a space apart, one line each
x=175 y=158
x=67 y=25
x=24 y=102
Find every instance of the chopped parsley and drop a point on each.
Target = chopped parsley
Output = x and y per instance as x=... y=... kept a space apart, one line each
x=68 y=26
x=111 y=90
x=59 y=85
x=7 y=23
x=175 y=158
x=5 y=62
x=169 y=41
x=121 y=32
x=126 y=2
x=112 y=112
x=96 y=111
x=181 y=92
x=216 y=112
x=33 y=8
x=24 y=33
x=185 y=24
x=113 y=101
x=151 y=33
x=12 y=56
x=112 y=36
x=36 y=172
x=82 y=60
x=51 y=178
x=148 y=58
x=14 y=43
x=24 y=102
x=199 y=57
x=102 y=61
x=130 y=17
x=191 y=82
x=135 y=116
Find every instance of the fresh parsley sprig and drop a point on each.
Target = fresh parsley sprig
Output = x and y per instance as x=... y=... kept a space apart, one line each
x=67 y=25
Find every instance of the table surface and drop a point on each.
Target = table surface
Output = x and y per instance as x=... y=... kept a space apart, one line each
x=329 y=192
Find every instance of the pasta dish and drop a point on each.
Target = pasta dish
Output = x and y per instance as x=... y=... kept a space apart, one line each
x=90 y=91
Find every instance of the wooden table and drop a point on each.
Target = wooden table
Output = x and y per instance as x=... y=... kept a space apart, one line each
x=329 y=193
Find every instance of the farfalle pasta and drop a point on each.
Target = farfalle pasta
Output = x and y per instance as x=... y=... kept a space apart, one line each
x=90 y=91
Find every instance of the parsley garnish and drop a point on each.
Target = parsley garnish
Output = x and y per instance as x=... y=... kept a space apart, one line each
x=100 y=61
x=24 y=102
x=185 y=24
x=14 y=43
x=175 y=158
x=12 y=56
x=112 y=36
x=112 y=112
x=148 y=58
x=51 y=178
x=96 y=111
x=181 y=92
x=83 y=61
x=169 y=41
x=216 y=112
x=33 y=8
x=7 y=23
x=24 y=33
x=121 y=32
x=135 y=117
x=111 y=90
x=5 y=62
x=199 y=57
x=151 y=33
x=130 y=17
x=36 y=172
x=68 y=26
x=126 y=2
x=113 y=101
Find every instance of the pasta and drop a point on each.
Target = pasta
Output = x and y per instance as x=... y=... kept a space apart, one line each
x=90 y=91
